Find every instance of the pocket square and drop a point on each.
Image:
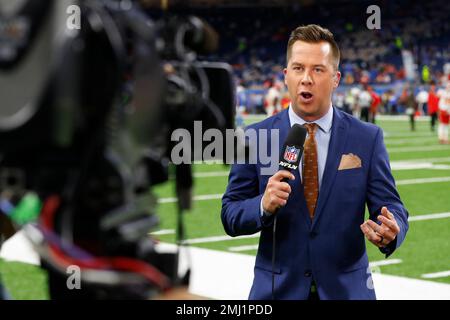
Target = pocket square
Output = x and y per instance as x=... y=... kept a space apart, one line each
x=349 y=161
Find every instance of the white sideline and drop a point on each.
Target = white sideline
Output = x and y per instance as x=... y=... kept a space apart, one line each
x=389 y=287
x=18 y=248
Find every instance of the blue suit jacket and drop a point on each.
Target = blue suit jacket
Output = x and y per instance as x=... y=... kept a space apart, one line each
x=331 y=247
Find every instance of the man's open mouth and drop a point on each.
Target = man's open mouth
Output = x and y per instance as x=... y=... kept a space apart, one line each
x=306 y=96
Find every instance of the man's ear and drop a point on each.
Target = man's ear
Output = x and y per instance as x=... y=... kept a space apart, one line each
x=284 y=72
x=336 y=79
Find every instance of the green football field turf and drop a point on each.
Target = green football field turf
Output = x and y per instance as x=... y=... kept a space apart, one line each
x=426 y=248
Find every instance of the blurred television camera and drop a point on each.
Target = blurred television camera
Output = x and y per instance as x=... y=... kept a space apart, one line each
x=85 y=121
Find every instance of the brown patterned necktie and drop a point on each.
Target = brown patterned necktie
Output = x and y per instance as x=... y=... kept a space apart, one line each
x=310 y=169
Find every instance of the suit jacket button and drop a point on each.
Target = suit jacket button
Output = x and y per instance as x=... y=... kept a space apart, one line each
x=308 y=273
x=312 y=234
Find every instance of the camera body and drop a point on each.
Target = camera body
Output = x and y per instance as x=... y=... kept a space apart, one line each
x=86 y=129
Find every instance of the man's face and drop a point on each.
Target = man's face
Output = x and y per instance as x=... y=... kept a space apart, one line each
x=311 y=78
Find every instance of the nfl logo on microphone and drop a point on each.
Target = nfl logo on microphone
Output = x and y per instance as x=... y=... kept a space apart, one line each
x=291 y=154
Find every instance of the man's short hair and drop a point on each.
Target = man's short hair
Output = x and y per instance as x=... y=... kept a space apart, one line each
x=313 y=33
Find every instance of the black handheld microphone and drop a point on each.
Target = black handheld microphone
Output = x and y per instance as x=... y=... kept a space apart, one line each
x=289 y=160
x=292 y=149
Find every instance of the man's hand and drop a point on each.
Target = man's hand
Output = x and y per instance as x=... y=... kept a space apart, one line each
x=381 y=235
x=277 y=192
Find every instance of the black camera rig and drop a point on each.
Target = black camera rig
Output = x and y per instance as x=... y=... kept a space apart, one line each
x=85 y=122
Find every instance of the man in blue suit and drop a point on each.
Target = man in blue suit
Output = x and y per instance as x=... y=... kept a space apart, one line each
x=320 y=247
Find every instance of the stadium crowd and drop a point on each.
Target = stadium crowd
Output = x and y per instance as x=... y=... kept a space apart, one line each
x=401 y=68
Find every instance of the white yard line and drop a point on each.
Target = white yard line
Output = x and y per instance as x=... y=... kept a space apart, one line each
x=437 y=159
x=418 y=165
x=211 y=174
x=384 y=262
x=404 y=141
x=440 y=167
x=209 y=196
x=415 y=149
x=219 y=239
x=431 y=216
x=423 y=180
x=400 y=135
x=196 y=198
x=163 y=232
x=442 y=274
x=411 y=165
x=243 y=248
x=209 y=162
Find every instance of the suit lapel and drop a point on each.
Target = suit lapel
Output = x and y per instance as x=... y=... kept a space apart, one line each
x=338 y=139
x=282 y=123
